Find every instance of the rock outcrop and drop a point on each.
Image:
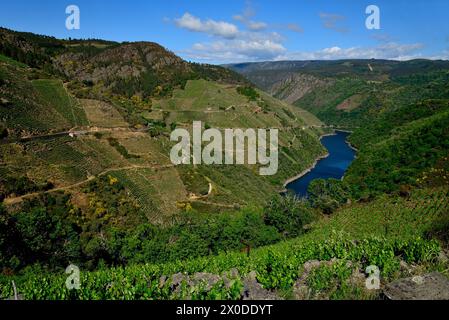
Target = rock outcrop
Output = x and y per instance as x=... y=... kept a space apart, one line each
x=432 y=286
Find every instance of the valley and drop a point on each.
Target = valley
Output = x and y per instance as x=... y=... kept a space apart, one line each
x=334 y=165
x=86 y=176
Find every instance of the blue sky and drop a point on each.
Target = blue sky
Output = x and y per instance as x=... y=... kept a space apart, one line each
x=257 y=30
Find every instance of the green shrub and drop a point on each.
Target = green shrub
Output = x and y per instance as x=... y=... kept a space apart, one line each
x=248 y=92
x=289 y=215
x=327 y=194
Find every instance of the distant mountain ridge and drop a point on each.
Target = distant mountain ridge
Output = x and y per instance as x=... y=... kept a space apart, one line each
x=342 y=67
x=341 y=92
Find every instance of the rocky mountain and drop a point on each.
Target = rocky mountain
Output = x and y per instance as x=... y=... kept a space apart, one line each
x=145 y=69
x=349 y=93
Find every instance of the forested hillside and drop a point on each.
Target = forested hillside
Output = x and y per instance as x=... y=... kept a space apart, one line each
x=86 y=177
x=350 y=93
x=397 y=112
x=84 y=155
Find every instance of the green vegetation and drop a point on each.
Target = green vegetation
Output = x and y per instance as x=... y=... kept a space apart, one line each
x=53 y=93
x=12 y=61
x=324 y=102
x=20 y=185
x=277 y=267
x=389 y=216
x=381 y=233
x=108 y=199
x=289 y=215
x=3 y=132
x=249 y=92
x=401 y=159
x=112 y=230
x=38 y=234
x=120 y=149
x=38 y=106
x=328 y=195
x=397 y=111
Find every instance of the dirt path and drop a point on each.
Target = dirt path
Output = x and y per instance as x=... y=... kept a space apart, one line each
x=216 y=204
x=74 y=132
x=15 y=200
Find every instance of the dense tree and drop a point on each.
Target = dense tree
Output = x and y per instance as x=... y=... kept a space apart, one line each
x=248 y=92
x=327 y=194
x=3 y=132
x=289 y=215
x=41 y=232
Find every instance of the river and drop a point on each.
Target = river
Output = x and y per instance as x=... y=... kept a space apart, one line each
x=335 y=165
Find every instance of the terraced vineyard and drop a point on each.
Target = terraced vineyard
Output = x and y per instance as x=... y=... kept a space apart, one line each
x=389 y=216
x=149 y=150
x=117 y=144
x=70 y=160
x=157 y=193
x=101 y=114
x=351 y=239
x=277 y=268
x=221 y=106
x=35 y=113
x=53 y=93
x=86 y=178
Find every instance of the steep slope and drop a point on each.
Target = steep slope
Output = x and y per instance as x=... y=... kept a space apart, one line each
x=327 y=263
x=396 y=161
x=396 y=111
x=349 y=93
x=119 y=102
x=30 y=106
x=90 y=181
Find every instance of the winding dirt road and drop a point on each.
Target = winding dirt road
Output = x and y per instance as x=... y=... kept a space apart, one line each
x=15 y=200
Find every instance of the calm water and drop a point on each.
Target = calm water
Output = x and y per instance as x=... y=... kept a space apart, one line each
x=334 y=166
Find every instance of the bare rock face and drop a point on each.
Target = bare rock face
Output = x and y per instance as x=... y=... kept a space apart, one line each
x=200 y=279
x=296 y=86
x=432 y=286
x=206 y=279
x=254 y=291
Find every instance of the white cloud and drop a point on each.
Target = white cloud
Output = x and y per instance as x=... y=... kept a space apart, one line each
x=256 y=26
x=392 y=50
x=295 y=28
x=253 y=43
x=246 y=19
x=265 y=49
x=257 y=41
x=237 y=50
x=333 y=50
x=261 y=36
x=217 y=28
x=333 y=21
